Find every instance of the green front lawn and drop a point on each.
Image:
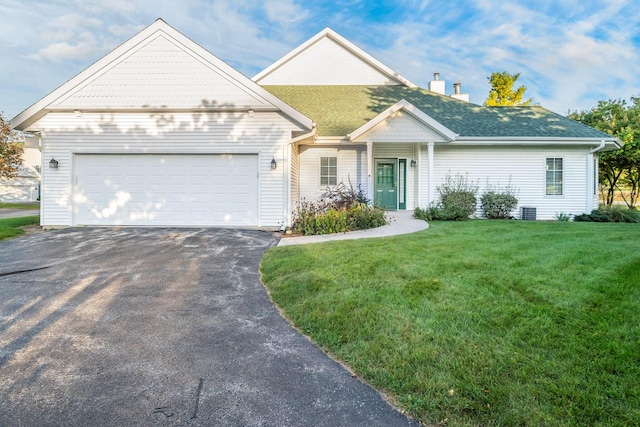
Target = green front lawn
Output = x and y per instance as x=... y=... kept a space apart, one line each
x=24 y=206
x=479 y=322
x=10 y=227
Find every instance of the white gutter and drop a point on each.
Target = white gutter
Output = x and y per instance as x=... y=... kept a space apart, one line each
x=599 y=147
x=304 y=136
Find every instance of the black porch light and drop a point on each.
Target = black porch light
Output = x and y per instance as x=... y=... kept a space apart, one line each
x=53 y=164
x=274 y=165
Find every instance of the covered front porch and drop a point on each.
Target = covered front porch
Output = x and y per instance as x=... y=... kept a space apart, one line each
x=400 y=156
x=400 y=175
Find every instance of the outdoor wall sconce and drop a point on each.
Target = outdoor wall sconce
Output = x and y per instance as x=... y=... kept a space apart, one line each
x=53 y=164
x=413 y=163
x=274 y=165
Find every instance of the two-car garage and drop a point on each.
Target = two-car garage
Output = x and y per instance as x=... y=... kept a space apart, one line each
x=166 y=189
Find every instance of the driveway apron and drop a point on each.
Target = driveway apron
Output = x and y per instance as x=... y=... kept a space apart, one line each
x=123 y=327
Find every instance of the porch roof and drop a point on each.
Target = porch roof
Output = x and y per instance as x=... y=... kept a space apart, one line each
x=340 y=110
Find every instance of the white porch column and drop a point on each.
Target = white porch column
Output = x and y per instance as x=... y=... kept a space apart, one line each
x=417 y=154
x=370 y=170
x=430 y=186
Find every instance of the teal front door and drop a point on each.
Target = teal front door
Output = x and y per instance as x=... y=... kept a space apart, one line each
x=386 y=191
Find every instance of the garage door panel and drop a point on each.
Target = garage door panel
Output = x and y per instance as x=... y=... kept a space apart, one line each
x=166 y=190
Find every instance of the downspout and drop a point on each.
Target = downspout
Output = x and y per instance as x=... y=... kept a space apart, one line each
x=591 y=179
x=286 y=184
x=599 y=147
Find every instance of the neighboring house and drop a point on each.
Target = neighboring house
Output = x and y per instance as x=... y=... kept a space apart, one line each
x=161 y=132
x=26 y=186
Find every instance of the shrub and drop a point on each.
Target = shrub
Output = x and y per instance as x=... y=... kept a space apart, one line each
x=610 y=214
x=497 y=202
x=341 y=209
x=438 y=212
x=362 y=217
x=458 y=195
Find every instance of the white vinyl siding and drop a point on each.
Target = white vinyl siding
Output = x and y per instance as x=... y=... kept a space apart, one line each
x=522 y=167
x=328 y=171
x=264 y=134
x=401 y=127
x=352 y=168
x=326 y=63
x=160 y=73
x=554 y=176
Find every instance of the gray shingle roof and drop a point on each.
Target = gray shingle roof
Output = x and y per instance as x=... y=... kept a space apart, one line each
x=340 y=110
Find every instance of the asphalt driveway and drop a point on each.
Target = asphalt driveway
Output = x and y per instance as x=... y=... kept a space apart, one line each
x=160 y=327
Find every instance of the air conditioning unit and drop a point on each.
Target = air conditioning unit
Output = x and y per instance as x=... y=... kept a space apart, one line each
x=527 y=213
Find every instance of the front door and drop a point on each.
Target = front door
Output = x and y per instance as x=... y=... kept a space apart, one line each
x=386 y=194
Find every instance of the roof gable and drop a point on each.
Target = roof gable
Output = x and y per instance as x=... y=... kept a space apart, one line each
x=159 y=68
x=403 y=122
x=329 y=59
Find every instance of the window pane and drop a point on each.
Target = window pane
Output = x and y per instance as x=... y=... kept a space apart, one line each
x=328 y=171
x=554 y=176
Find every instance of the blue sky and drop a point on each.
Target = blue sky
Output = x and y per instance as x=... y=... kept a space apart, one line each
x=570 y=53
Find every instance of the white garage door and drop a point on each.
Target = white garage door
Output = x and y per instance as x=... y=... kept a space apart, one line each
x=166 y=190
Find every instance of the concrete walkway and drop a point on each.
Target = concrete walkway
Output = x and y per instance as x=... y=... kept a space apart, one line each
x=401 y=222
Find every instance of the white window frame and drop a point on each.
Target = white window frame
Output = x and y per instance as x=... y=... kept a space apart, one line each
x=328 y=176
x=555 y=171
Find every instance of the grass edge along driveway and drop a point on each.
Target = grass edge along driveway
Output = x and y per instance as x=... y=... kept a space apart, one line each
x=10 y=227
x=479 y=322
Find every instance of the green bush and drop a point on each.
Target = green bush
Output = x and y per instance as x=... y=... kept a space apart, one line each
x=610 y=214
x=363 y=217
x=498 y=202
x=440 y=213
x=498 y=205
x=457 y=196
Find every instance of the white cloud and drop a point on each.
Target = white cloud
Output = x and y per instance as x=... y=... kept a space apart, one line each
x=284 y=12
x=62 y=51
x=570 y=53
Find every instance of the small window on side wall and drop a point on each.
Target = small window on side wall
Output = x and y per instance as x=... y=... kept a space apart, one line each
x=328 y=171
x=554 y=173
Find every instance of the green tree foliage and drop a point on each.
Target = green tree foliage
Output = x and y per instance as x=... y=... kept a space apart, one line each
x=10 y=152
x=620 y=168
x=502 y=92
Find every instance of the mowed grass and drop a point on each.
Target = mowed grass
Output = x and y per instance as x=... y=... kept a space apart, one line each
x=10 y=227
x=479 y=322
x=23 y=206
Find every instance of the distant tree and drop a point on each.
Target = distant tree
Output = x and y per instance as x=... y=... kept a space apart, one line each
x=619 y=168
x=502 y=92
x=10 y=151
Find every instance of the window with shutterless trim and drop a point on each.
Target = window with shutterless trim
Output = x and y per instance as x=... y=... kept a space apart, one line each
x=328 y=171
x=554 y=176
